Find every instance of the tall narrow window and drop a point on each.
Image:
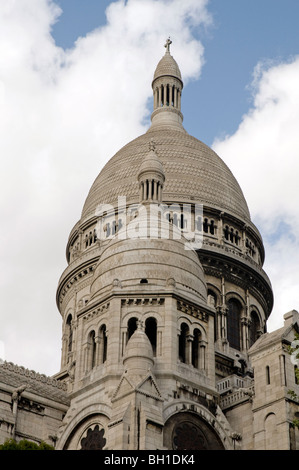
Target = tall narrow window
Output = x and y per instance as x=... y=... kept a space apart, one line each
x=183 y=342
x=267 y=375
x=132 y=326
x=195 y=348
x=92 y=350
x=151 y=332
x=206 y=226
x=103 y=344
x=254 y=328
x=69 y=334
x=212 y=227
x=233 y=323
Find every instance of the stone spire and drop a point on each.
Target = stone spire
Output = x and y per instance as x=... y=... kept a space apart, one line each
x=167 y=89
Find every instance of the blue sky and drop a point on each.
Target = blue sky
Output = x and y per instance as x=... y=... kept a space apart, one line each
x=243 y=33
x=75 y=86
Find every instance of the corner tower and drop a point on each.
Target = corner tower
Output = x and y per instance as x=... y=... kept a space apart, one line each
x=201 y=309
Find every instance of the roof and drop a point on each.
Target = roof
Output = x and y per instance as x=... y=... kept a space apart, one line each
x=193 y=173
x=283 y=334
x=167 y=67
x=16 y=376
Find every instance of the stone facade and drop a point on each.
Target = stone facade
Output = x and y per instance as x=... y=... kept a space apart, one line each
x=32 y=405
x=164 y=304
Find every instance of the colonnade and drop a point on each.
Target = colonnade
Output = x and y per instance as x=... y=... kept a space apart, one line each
x=167 y=95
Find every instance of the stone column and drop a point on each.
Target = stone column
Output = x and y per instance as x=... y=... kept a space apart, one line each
x=202 y=355
x=244 y=334
x=155 y=190
x=189 y=340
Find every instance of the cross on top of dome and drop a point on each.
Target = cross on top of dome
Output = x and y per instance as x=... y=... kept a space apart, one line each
x=167 y=45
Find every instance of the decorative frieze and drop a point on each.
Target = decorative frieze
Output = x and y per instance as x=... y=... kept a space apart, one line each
x=142 y=301
x=97 y=311
x=74 y=279
x=192 y=310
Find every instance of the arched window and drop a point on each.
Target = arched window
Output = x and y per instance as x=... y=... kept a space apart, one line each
x=183 y=342
x=103 y=344
x=212 y=227
x=254 y=328
x=151 y=332
x=206 y=226
x=226 y=232
x=233 y=323
x=132 y=326
x=195 y=348
x=69 y=330
x=92 y=350
x=213 y=295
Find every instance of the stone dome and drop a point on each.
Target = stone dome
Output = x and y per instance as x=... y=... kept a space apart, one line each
x=163 y=262
x=167 y=67
x=151 y=163
x=194 y=173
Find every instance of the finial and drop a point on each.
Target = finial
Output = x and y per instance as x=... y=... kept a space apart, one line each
x=167 y=45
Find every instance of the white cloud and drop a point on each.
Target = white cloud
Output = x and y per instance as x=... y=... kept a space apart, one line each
x=63 y=114
x=263 y=155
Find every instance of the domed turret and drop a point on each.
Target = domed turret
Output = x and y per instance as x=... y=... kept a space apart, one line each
x=167 y=87
x=167 y=67
x=151 y=177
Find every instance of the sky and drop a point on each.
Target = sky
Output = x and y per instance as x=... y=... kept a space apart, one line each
x=75 y=86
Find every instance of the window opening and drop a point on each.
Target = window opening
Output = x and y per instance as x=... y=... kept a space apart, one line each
x=233 y=323
x=151 y=332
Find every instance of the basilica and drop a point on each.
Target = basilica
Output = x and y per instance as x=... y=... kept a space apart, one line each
x=164 y=305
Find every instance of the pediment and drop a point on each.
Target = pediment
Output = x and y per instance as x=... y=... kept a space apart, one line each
x=146 y=386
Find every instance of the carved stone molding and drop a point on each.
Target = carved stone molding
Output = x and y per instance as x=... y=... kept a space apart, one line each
x=142 y=301
x=192 y=310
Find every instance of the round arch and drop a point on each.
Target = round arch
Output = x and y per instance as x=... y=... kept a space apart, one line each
x=215 y=292
x=88 y=418
x=193 y=430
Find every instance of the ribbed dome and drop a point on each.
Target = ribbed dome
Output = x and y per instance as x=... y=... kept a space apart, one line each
x=193 y=173
x=167 y=67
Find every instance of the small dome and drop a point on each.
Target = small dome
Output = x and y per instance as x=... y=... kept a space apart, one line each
x=143 y=250
x=167 y=67
x=139 y=349
x=151 y=163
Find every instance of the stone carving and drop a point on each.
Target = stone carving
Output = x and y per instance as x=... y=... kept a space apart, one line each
x=187 y=436
x=94 y=440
